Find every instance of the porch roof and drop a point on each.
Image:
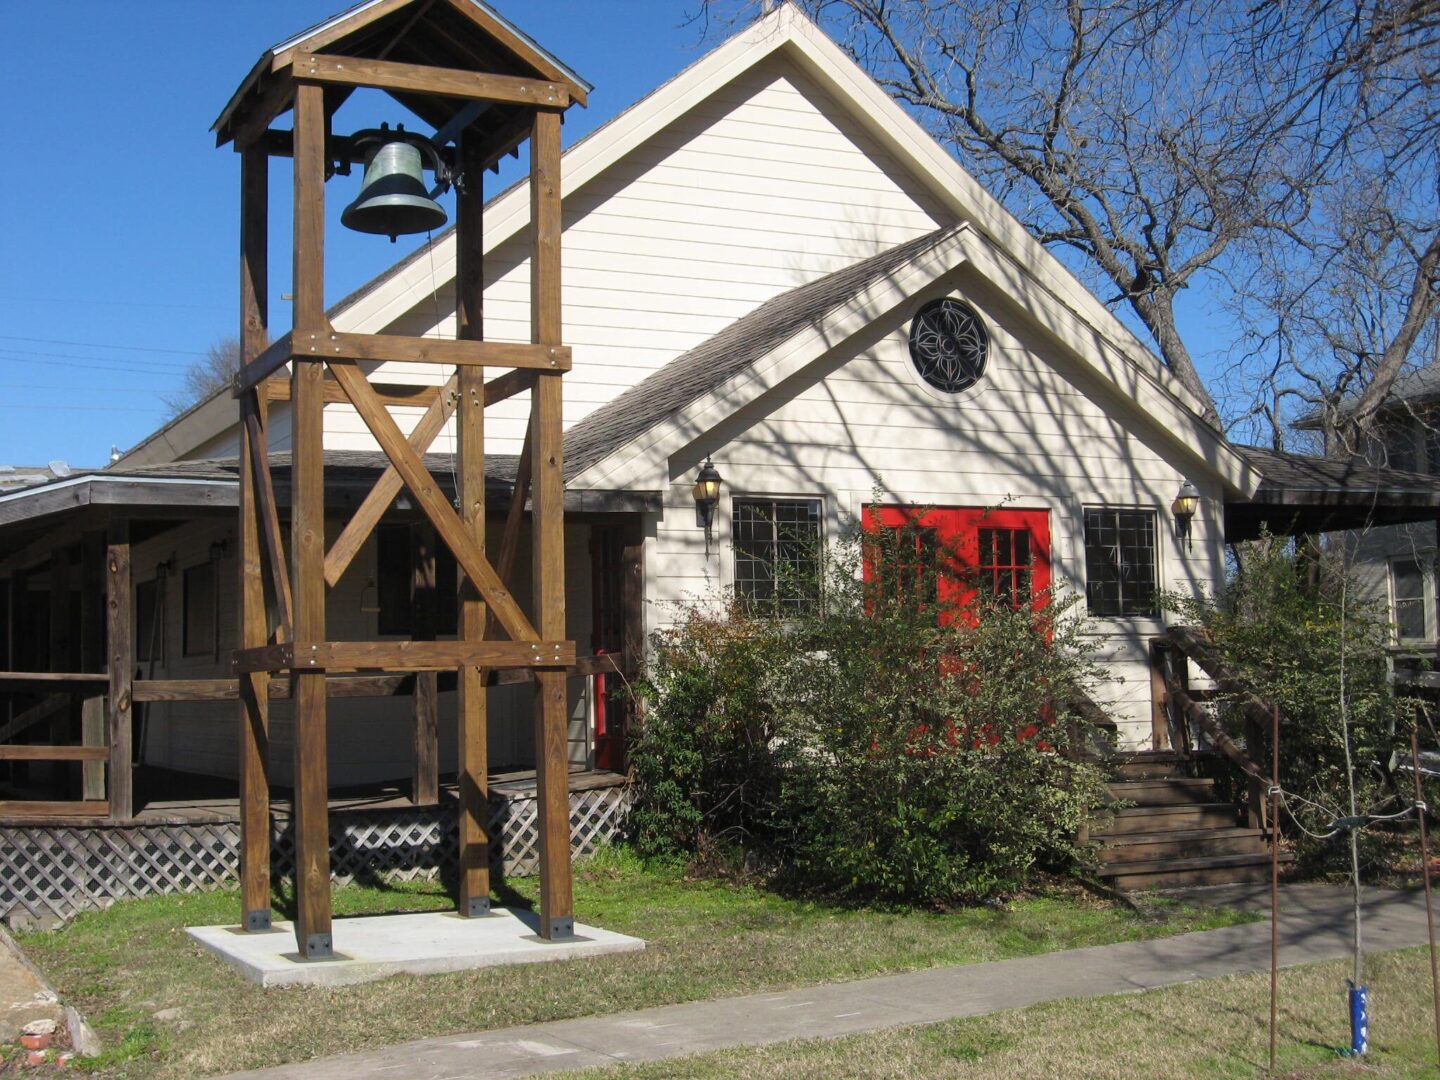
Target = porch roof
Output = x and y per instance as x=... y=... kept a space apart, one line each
x=1302 y=493
x=213 y=483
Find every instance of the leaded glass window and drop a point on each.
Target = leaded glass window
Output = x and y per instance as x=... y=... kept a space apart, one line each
x=1120 y=561
x=777 y=552
x=949 y=345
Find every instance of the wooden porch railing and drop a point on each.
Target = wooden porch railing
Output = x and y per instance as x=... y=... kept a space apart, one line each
x=100 y=766
x=64 y=688
x=1191 y=643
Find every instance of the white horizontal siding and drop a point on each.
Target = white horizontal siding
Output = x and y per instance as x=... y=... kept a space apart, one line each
x=760 y=188
x=1035 y=433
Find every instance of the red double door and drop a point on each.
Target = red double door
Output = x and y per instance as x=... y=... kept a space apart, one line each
x=1005 y=553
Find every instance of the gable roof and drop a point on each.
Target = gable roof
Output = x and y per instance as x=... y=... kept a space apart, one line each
x=629 y=440
x=787 y=31
x=464 y=34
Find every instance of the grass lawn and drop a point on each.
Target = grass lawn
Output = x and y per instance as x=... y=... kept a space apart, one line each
x=1212 y=1030
x=124 y=966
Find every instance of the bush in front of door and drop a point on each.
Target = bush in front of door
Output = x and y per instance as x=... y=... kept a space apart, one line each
x=873 y=744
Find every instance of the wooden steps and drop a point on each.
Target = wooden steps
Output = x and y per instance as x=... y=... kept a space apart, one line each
x=1173 y=833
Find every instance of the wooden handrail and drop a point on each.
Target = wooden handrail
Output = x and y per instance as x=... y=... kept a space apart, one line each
x=1256 y=713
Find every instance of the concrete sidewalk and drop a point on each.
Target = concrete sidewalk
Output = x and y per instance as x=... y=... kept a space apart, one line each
x=1314 y=921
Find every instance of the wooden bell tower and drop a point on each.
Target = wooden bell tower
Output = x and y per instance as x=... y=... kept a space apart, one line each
x=486 y=88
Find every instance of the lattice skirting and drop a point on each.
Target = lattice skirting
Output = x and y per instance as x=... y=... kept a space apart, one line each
x=51 y=873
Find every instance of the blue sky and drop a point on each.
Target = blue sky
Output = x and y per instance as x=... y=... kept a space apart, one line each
x=118 y=214
x=118 y=226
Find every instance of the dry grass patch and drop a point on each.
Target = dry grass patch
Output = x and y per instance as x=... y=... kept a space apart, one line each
x=170 y=1010
x=1211 y=1030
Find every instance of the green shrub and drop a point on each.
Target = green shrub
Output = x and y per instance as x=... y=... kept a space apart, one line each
x=1309 y=647
x=881 y=744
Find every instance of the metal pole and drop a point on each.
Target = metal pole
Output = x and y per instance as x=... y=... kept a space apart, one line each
x=1274 y=876
x=1425 y=877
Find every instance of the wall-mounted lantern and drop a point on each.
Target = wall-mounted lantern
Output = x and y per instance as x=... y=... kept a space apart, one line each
x=1187 y=501
x=707 y=498
x=218 y=549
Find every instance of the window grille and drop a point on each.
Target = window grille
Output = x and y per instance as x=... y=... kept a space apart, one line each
x=777 y=552
x=948 y=345
x=1120 y=561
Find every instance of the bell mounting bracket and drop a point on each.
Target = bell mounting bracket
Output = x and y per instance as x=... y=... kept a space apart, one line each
x=361 y=142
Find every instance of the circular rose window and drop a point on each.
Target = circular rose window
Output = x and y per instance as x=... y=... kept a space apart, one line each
x=949 y=346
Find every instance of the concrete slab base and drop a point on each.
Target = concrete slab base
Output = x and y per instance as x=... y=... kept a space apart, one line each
x=376 y=946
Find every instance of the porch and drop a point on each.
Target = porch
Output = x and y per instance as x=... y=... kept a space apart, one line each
x=147 y=559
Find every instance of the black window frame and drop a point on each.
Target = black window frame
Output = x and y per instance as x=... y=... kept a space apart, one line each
x=757 y=582
x=1122 y=570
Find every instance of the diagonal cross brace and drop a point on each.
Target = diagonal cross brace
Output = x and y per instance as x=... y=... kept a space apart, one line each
x=358 y=529
x=441 y=514
x=362 y=523
x=259 y=465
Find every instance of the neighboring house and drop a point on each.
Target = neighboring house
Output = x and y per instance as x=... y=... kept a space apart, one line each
x=1396 y=565
x=769 y=265
x=13 y=477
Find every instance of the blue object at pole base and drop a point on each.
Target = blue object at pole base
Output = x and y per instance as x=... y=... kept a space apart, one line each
x=1359 y=1019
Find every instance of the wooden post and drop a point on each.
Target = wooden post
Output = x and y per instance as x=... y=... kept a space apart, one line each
x=307 y=527
x=61 y=658
x=92 y=658
x=120 y=644
x=548 y=528
x=426 y=784
x=1159 y=725
x=473 y=726
x=254 y=630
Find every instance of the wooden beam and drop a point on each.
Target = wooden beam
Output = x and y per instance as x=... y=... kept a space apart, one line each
x=508 y=385
x=423 y=79
x=517 y=43
x=397 y=348
x=62 y=651
x=10 y=809
x=368 y=514
x=274 y=98
x=275 y=357
x=472 y=705
x=436 y=507
x=261 y=492
x=34 y=752
x=92 y=658
x=259 y=536
x=307 y=532
x=277 y=688
x=552 y=768
x=335 y=30
x=402 y=395
x=120 y=638
x=425 y=789
x=29 y=680
x=334 y=656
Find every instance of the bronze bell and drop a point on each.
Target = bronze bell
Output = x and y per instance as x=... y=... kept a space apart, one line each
x=393 y=200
